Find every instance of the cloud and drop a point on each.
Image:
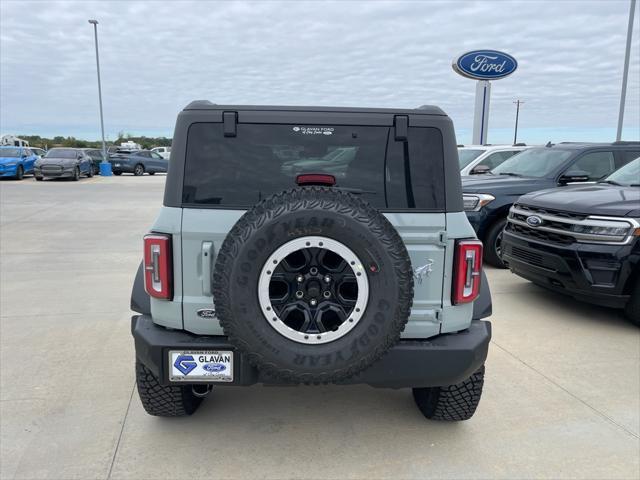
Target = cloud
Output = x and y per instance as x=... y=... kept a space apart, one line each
x=158 y=56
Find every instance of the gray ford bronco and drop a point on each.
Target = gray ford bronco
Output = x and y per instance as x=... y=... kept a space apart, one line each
x=305 y=245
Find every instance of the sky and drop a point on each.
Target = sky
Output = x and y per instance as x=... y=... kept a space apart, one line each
x=156 y=57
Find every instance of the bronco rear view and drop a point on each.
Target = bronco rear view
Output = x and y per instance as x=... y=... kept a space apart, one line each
x=306 y=245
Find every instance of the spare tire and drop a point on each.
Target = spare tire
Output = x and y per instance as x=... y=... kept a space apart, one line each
x=313 y=285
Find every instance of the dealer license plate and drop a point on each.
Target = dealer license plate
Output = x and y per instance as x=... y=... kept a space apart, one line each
x=201 y=366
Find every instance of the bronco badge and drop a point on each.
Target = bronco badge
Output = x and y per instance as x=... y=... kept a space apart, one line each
x=424 y=271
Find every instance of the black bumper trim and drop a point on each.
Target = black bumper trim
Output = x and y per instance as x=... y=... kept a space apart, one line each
x=562 y=269
x=442 y=360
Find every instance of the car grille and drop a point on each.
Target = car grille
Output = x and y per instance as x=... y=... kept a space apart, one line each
x=542 y=211
x=530 y=257
x=535 y=234
x=51 y=170
x=565 y=228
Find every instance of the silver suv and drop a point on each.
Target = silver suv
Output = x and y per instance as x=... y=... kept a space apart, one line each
x=300 y=245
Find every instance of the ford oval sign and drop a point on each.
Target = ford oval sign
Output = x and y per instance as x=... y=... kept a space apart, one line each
x=485 y=65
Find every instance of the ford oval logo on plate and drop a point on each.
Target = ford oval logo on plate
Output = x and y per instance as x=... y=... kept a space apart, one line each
x=214 y=367
x=485 y=65
x=534 y=221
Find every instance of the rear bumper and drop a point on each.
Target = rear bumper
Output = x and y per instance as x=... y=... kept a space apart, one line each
x=117 y=166
x=443 y=360
x=593 y=273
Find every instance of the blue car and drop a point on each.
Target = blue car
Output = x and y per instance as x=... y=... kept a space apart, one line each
x=16 y=161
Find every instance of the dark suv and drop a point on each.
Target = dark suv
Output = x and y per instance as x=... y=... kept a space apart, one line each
x=487 y=198
x=583 y=241
x=307 y=245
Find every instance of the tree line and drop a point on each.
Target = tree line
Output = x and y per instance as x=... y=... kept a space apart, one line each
x=73 y=142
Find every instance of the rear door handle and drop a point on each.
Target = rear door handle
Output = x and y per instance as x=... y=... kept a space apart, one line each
x=207 y=261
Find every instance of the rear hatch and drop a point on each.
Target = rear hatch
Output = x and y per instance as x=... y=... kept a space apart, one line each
x=227 y=171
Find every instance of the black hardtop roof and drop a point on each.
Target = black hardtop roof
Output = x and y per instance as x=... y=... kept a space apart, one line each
x=422 y=110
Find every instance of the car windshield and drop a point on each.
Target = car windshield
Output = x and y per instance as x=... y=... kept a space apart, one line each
x=61 y=153
x=466 y=156
x=627 y=175
x=9 y=152
x=535 y=162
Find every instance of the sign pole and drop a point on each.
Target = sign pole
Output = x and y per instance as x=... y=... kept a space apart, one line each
x=515 y=132
x=481 y=112
x=625 y=72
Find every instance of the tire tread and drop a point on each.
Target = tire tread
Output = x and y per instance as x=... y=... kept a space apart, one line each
x=161 y=400
x=451 y=403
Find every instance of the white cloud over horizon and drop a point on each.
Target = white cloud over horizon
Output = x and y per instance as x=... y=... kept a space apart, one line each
x=158 y=56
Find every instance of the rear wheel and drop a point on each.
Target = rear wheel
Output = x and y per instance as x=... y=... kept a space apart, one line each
x=161 y=400
x=90 y=174
x=138 y=170
x=117 y=173
x=451 y=403
x=632 y=310
x=76 y=174
x=19 y=172
x=493 y=244
x=39 y=179
x=152 y=173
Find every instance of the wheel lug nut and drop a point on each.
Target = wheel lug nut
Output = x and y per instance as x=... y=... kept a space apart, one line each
x=327 y=279
x=299 y=294
x=313 y=302
x=300 y=278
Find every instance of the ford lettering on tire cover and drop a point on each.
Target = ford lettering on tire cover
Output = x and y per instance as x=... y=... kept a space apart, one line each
x=334 y=284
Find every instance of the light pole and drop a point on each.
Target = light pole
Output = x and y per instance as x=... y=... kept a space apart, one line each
x=515 y=133
x=105 y=166
x=625 y=72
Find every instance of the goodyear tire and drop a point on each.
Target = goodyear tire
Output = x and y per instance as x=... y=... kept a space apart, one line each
x=333 y=279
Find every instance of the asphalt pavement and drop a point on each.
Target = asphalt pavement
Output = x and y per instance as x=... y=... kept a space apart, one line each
x=561 y=397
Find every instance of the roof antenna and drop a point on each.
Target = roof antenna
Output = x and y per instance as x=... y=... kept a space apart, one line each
x=549 y=144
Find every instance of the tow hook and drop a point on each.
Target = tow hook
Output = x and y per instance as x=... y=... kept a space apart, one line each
x=201 y=390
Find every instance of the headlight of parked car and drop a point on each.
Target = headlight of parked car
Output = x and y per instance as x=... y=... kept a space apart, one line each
x=473 y=202
x=600 y=230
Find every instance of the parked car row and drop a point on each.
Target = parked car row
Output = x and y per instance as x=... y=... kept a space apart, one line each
x=566 y=217
x=17 y=161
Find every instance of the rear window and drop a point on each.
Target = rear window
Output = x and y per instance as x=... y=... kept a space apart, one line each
x=263 y=159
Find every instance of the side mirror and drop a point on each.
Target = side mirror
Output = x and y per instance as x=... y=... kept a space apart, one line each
x=480 y=169
x=574 y=176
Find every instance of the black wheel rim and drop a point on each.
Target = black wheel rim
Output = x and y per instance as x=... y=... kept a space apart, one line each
x=313 y=290
x=314 y=294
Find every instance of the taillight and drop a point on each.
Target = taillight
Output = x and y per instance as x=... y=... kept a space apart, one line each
x=157 y=265
x=468 y=271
